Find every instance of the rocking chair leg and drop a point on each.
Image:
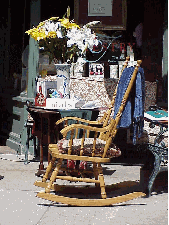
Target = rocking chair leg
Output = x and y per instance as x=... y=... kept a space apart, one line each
x=53 y=176
x=95 y=173
x=102 y=184
x=48 y=170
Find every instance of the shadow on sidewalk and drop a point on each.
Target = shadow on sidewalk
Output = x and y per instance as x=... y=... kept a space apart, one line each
x=1 y=177
x=161 y=183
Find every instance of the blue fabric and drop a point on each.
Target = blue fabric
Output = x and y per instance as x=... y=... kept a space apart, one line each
x=133 y=113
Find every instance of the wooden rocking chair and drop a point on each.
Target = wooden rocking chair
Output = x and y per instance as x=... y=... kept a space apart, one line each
x=97 y=151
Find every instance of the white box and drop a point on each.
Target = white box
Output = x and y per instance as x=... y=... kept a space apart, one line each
x=114 y=71
x=60 y=103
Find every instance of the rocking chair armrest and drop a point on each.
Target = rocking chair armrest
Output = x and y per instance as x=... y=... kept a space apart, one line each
x=84 y=127
x=78 y=119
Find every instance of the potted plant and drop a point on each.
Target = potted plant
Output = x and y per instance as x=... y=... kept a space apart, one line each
x=62 y=39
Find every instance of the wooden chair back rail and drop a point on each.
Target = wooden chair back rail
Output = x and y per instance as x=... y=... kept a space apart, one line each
x=125 y=63
x=70 y=142
x=82 y=141
x=94 y=144
x=88 y=133
x=76 y=135
x=65 y=130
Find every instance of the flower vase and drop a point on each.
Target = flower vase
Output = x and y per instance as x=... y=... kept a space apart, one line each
x=63 y=71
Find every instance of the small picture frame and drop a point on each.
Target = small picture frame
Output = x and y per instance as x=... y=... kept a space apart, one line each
x=49 y=85
x=100 y=8
x=96 y=70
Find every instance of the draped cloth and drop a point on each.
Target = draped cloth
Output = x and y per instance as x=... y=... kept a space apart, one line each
x=133 y=113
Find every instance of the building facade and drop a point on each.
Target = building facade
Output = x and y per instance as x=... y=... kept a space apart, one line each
x=19 y=56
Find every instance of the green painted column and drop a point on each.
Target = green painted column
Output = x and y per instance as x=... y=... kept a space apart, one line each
x=18 y=132
x=33 y=60
x=165 y=56
x=33 y=65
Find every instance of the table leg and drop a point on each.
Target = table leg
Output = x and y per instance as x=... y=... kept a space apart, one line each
x=48 y=138
x=41 y=166
x=27 y=144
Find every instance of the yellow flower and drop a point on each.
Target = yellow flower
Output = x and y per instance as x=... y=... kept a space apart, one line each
x=40 y=24
x=68 y=25
x=36 y=33
x=52 y=34
x=39 y=33
x=73 y=25
x=64 y=22
x=53 y=18
x=29 y=31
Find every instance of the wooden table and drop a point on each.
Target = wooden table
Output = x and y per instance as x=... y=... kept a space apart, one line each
x=45 y=129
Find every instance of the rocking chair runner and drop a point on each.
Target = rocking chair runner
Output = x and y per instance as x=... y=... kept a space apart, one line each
x=97 y=150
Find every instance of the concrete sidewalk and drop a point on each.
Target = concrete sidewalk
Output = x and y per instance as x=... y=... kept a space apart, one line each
x=19 y=204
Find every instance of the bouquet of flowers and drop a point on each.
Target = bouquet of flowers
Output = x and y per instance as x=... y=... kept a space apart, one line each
x=62 y=39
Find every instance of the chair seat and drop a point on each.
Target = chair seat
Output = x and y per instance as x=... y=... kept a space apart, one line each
x=113 y=150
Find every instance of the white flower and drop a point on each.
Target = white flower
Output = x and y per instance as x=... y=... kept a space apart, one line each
x=59 y=34
x=58 y=25
x=83 y=38
x=92 y=23
x=50 y=26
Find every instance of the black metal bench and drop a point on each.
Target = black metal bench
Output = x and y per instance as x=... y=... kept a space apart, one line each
x=160 y=153
x=153 y=158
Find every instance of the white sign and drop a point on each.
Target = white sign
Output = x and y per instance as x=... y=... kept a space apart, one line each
x=60 y=103
x=100 y=7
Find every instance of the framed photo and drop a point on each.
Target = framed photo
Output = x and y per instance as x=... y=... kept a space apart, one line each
x=96 y=70
x=100 y=7
x=49 y=87
x=111 y=13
